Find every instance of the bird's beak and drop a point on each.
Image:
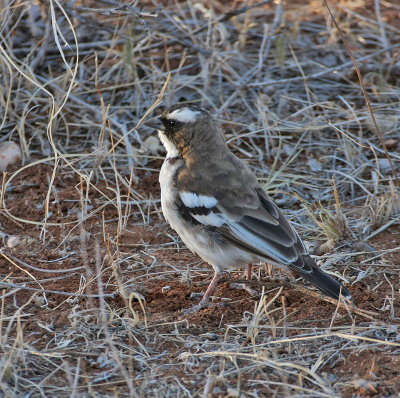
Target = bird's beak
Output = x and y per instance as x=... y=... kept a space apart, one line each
x=155 y=123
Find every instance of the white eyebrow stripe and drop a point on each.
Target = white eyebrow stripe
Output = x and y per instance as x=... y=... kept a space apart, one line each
x=184 y=115
x=192 y=200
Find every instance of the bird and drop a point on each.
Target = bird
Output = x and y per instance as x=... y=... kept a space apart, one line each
x=216 y=205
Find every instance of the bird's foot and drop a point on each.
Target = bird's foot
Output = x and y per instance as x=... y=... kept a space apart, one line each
x=195 y=308
x=201 y=306
x=244 y=286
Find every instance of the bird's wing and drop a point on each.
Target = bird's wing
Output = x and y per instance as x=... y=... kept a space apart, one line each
x=259 y=228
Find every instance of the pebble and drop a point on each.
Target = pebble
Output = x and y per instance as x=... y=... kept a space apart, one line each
x=391 y=143
x=10 y=153
x=13 y=241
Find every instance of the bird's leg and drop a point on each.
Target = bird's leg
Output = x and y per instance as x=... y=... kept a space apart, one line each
x=210 y=289
x=245 y=286
x=248 y=273
x=204 y=301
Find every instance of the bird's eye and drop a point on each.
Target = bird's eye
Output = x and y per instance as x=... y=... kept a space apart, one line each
x=171 y=123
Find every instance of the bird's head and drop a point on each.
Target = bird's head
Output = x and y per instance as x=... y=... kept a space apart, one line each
x=185 y=127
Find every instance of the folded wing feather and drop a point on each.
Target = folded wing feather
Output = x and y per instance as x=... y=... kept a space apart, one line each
x=265 y=233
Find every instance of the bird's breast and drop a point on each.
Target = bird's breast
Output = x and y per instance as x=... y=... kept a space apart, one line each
x=168 y=174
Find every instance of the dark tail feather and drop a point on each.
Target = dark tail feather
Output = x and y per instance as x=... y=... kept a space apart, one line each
x=324 y=282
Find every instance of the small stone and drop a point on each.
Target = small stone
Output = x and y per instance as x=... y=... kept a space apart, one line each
x=391 y=143
x=385 y=124
x=384 y=165
x=13 y=241
x=314 y=164
x=331 y=378
x=325 y=248
x=329 y=60
x=10 y=153
x=151 y=145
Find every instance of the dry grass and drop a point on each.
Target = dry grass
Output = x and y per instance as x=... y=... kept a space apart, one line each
x=77 y=79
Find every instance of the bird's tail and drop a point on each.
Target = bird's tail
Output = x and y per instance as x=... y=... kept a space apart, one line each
x=323 y=281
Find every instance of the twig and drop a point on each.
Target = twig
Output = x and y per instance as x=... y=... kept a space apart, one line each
x=49 y=271
x=34 y=289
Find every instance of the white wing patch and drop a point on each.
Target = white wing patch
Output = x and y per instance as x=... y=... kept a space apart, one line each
x=191 y=200
x=211 y=219
x=184 y=115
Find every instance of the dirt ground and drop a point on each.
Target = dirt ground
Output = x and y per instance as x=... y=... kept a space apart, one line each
x=94 y=284
x=159 y=284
